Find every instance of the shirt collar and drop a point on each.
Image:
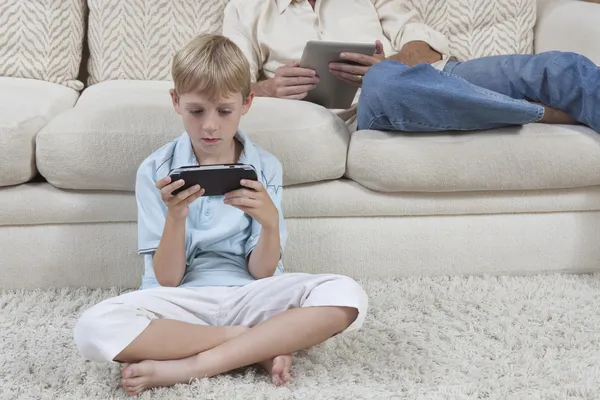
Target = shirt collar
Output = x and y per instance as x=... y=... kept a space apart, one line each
x=183 y=153
x=283 y=4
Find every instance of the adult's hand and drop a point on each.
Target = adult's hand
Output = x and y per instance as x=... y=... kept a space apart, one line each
x=416 y=52
x=356 y=65
x=290 y=82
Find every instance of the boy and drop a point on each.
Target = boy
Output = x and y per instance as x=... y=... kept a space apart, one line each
x=213 y=295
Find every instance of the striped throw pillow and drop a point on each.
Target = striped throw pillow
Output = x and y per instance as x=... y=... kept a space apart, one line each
x=136 y=39
x=478 y=28
x=42 y=40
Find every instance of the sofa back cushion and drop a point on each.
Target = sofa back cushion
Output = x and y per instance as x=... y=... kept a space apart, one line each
x=479 y=28
x=42 y=40
x=136 y=39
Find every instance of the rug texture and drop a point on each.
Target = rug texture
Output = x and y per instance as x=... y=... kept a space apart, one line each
x=425 y=338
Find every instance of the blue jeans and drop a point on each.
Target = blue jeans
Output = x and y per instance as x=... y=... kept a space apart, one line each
x=483 y=93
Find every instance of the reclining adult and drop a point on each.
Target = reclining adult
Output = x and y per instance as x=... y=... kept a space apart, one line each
x=412 y=83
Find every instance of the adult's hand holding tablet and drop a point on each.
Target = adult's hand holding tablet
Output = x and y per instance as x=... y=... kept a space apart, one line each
x=292 y=82
x=355 y=65
x=334 y=89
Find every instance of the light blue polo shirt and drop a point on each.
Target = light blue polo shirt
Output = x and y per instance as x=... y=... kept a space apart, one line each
x=218 y=237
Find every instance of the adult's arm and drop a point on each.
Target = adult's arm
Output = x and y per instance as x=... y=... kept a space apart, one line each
x=411 y=38
x=237 y=29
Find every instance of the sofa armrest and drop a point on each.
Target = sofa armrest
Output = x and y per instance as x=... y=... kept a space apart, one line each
x=569 y=26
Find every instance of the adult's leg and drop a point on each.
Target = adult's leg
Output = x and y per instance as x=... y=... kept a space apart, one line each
x=152 y=324
x=424 y=99
x=565 y=81
x=286 y=314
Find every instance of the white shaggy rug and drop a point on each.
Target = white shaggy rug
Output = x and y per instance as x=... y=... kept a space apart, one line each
x=425 y=338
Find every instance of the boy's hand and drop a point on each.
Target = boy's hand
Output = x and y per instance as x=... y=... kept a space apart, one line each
x=178 y=205
x=255 y=201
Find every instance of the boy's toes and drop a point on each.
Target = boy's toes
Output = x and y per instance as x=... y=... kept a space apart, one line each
x=286 y=376
x=128 y=371
x=277 y=380
x=136 y=390
x=133 y=386
x=286 y=369
x=279 y=369
x=133 y=381
x=133 y=390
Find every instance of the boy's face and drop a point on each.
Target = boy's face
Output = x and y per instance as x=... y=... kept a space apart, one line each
x=211 y=123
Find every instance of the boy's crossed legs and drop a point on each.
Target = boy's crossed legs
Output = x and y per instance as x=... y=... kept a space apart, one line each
x=164 y=331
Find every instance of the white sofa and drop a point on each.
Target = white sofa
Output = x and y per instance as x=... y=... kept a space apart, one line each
x=510 y=201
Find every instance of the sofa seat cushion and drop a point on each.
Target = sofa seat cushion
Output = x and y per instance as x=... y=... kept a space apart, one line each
x=26 y=105
x=531 y=157
x=115 y=125
x=40 y=203
x=344 y=198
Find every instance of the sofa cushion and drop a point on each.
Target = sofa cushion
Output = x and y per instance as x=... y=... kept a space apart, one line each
x=136 y=39
x=478 y=28
x=568 y=26
x=100 y=143
x=534 y=156
x=345 y=198
x=42 y=40
x=26 y=106
x=40 y=203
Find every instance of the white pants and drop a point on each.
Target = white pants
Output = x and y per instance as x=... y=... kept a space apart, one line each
x=106 y=329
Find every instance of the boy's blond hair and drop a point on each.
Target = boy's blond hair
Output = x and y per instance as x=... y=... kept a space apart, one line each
x=212 y=65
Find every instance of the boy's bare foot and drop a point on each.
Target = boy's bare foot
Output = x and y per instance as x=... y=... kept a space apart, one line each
x=279 y=368
x=149 y=374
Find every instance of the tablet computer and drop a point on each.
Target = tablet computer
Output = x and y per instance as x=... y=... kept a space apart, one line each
x=331 y=92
